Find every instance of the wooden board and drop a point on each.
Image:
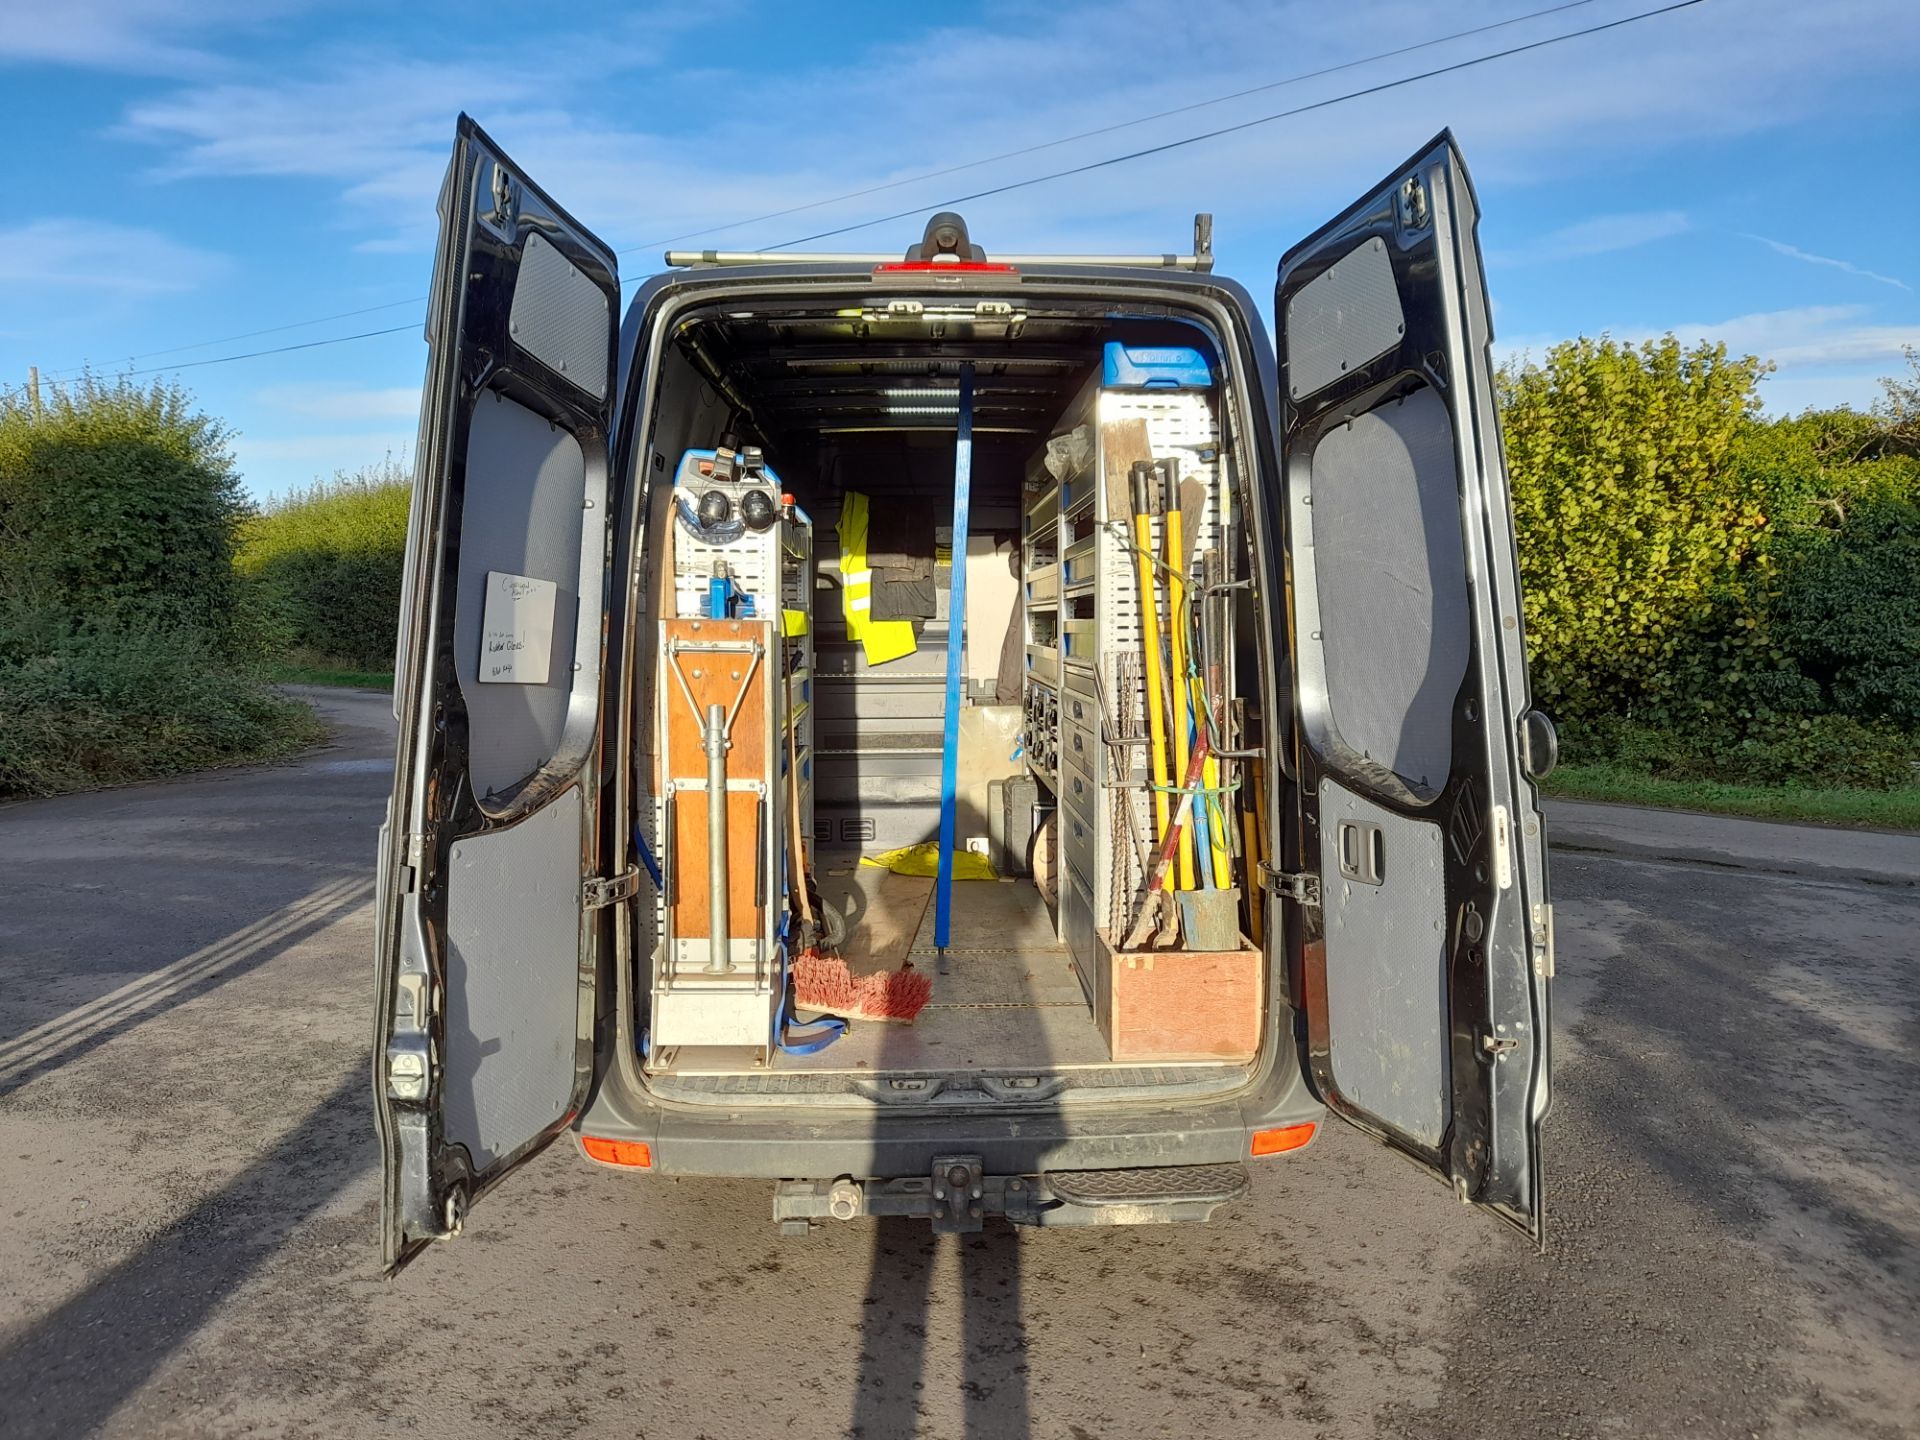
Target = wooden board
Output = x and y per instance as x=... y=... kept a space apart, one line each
x=749 y=758
x=1179 y=1004
x=1122 y=442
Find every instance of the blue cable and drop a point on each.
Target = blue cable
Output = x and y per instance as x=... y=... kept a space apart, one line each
x=832 y=1027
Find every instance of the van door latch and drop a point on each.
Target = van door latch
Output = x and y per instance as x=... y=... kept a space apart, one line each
x=1302 y=886
x=602 y=891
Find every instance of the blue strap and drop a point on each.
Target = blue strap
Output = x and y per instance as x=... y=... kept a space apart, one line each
x=646 y=859
x=956 y=659
x=831 y=1027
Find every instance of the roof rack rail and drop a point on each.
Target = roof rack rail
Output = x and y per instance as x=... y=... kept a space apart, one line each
x=1200 y=259
x=682 y=259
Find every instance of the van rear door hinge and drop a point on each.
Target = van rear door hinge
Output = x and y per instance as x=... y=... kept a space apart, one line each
x=1300 y=886
x=611 y=890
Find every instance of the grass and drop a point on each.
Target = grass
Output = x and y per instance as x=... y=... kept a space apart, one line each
x=1879 y=809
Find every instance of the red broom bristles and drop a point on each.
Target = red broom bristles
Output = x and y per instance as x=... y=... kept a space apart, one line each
x=823 y=983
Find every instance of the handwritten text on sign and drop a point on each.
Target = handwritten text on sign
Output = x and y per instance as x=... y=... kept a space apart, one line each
x=516 y=631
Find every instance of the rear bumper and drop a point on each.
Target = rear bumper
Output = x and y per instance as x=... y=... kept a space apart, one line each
x=811 y=1143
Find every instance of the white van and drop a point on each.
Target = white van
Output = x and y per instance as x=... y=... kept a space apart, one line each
x=555 y=948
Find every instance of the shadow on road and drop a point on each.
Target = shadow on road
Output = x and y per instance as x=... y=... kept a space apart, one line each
x=69 y=1371
x=86 y=1027
x=889 y=1394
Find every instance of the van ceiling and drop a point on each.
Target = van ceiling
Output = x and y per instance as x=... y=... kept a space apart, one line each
x=802 y=377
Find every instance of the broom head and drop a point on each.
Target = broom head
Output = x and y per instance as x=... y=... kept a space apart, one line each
x=823 y=983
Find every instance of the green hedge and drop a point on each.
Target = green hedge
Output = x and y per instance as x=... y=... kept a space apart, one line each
x=325 y=564
x=1711 y=595
x=126 y=648
x=88 y=705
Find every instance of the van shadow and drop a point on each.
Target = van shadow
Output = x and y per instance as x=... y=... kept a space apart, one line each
x=897 y=1367
x=66 y=1373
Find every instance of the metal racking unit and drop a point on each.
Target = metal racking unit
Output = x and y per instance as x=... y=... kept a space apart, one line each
x=1082 y=578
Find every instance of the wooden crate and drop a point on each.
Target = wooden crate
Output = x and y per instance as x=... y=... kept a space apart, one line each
x=1179 y=1004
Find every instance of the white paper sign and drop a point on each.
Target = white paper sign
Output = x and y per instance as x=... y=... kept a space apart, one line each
x=516 y=630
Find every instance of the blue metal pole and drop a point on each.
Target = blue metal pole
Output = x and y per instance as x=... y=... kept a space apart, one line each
x=956 y=666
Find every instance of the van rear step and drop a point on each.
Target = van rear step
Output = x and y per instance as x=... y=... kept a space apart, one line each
x=957 y=1197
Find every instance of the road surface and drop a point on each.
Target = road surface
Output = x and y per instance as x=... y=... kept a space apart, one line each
x=188 y=1195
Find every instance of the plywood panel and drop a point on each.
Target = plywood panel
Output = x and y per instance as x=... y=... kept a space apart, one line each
x=1179 y=1004
x=718 y=680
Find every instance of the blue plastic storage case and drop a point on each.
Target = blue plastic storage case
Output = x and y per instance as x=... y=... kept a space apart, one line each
x=1155 y=367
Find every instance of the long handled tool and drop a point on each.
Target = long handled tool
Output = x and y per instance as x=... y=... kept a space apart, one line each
x=1157 y=921
x=1177 y=618
x=1211 y=697
x=1141 y=480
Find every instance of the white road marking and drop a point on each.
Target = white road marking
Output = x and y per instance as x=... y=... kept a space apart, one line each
x=139 y=996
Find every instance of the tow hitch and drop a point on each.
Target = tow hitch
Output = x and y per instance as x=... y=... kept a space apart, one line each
x=958 y=1195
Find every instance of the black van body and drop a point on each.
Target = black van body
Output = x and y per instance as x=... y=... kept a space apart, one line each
x=1384 y=618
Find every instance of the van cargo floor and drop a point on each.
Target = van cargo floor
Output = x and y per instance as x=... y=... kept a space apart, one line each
x=1011 y=1001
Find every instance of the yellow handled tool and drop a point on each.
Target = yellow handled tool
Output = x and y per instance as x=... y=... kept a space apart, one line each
x=1141 y=481
x=1182 y=691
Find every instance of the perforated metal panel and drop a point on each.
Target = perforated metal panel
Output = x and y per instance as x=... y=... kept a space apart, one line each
x=522 y=514
x=1386 y=967
x=560 y=317
x=513 y=946
x=1390 y=573
x=1344 y=317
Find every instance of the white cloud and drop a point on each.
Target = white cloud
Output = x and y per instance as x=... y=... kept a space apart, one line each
x=1809 y=335
x=335 y=449
x=1599 y=235
x=72 y=254
x=161 y=37
x=326 y=401
x=1824 y=354
x=770 y=137
x=1794 y=252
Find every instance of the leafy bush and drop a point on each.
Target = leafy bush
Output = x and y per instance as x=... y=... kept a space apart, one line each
x=88 y=705
x=119 y=501
x=1634 y=529
x=1799 y=750
x=325 y=565
x=123 y=645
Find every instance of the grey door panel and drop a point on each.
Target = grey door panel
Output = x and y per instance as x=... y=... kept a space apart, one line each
x=1424 y=968
x=486 y=956
x=1386 y=959
x=513 y=947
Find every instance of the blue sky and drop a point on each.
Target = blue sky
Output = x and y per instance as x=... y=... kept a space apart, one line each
x=192 y=169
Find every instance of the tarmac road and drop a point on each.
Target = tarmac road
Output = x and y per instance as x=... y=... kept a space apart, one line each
x=188 y=1193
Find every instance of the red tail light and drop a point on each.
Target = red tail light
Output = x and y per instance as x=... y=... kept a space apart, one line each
x=945 y=267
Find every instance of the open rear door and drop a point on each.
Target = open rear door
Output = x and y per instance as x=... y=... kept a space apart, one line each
x=1425 y=963
x=486 y=953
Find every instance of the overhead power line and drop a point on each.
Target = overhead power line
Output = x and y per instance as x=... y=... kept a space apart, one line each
x=1108 y=162
x=885 y=186
x=1205 y=135
x=276 y=350
x=916 y=179
x=1138 y=120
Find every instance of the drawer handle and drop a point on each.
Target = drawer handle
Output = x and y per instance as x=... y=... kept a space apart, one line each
x=1078 y=788
x=1077 y=743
